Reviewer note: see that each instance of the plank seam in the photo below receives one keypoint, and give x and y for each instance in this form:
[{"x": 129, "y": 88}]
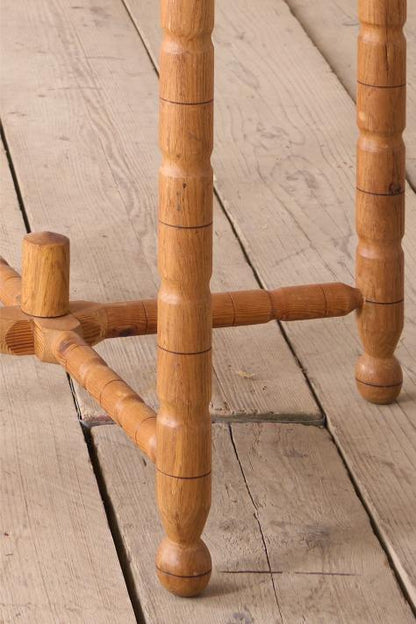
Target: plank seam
[
  {"x": 279, "y": 323},
  {"x": 373, "y": 522},
  {"x": 115, "y": 532},
  {"x": 289, "y": 572},
  {"x": 14, "y": 178},
  {"x": 123, "y": 558},
  {"x": 257, "y": 520}
]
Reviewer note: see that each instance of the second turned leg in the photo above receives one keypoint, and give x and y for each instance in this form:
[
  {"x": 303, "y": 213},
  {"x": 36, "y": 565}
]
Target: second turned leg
[{"x": 380, "y": 195}]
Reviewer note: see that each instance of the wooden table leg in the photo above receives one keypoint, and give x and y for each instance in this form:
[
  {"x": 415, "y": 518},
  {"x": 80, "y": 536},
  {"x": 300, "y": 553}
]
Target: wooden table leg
[
  {"x": 381, "y": 112},
  {"x": 184, "y": 302}
]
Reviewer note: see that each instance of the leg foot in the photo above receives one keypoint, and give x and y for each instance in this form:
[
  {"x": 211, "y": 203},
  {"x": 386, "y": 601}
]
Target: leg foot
[
  {"x": 183, "y": 569},
  {"x": 379, "y": 380}
]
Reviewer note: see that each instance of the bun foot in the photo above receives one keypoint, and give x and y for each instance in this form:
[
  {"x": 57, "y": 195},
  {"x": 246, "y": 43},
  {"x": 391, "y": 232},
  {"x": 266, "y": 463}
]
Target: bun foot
[{"x": 379, "y": 380}]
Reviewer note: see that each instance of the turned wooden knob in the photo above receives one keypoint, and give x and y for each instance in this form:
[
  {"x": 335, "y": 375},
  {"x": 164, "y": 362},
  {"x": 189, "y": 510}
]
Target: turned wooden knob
[
  {"x": 45, "y": 274},
  {"x": 379, "y": 380},
  {"x": 183, "y": 569}
]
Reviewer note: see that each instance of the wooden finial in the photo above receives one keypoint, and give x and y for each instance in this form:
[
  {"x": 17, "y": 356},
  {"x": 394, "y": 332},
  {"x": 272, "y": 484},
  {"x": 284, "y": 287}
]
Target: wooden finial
[
  {"x": 381, "y": 111},
  {"x": 45, "y": 274}
]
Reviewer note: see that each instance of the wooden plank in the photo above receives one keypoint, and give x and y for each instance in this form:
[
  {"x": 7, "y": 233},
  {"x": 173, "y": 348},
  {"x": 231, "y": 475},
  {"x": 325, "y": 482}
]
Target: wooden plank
[
  {"x": 284, "y": 161},
  {"x": 57, "y": 556},
  {"x": 286, "y": 489},
  {"x": 333, "y": 27},
  {"x": 12, "y": 228},
  {"x": 315, "y": 528},
  {"x": 237, "y": 546},
  {"x": 82, "y": 95}
]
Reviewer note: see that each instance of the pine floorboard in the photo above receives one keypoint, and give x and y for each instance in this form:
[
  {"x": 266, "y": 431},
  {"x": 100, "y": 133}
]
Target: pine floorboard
[
  {"x": 291, "y": 539},
  {"x": 58, "y": 562}
]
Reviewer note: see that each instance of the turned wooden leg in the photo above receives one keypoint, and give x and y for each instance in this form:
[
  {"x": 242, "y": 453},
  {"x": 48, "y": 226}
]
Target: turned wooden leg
[
  {"x": 184, "y": 302},
  {"x": 380, "y": 194}
]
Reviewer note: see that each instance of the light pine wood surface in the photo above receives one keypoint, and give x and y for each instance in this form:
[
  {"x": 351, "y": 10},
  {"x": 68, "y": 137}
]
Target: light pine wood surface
[
  {"x": 333, "y": 27},
  {"x": 290, "y": 140},
  {"x": 290, "y": 540},
  {"x": 57, "y": 557},
  {"x": 79, "y": 93}
]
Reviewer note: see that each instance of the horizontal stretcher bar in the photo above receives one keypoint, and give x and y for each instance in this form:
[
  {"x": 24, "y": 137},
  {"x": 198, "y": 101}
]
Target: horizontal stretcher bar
[
  {"x": 121, "y": 402},
  {"x": 249, "y": 307},
  {"x": 101, "y": 321}
]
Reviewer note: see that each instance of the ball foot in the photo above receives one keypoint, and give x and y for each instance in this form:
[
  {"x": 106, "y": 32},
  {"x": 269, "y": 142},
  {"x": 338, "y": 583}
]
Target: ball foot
[
  {"x": 183, "y": 569},
  {"x": 378, "y": 380}
]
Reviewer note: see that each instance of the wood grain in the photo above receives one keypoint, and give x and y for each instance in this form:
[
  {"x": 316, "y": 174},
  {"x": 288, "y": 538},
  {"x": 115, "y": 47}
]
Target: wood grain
[
  {"x": 21, "y": 334},
  {"x": 229, "y": 309},
  {"x": 333, "y": 27},
  {"x": 116, "y": 397},
  {"x": 57, "y": 556},
  {"x": 380, "y": 206},
  {"x": 285, "y": 145},
  {"x": 82, "y": 94},
  {"x": 45, "y": 274},
  {"x": 286, "y": 491},
  {"x": 184, "y": 315}
]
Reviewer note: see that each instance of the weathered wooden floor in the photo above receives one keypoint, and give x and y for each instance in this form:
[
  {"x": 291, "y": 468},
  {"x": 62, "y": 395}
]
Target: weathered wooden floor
[{"x": 309, "y": 524}]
